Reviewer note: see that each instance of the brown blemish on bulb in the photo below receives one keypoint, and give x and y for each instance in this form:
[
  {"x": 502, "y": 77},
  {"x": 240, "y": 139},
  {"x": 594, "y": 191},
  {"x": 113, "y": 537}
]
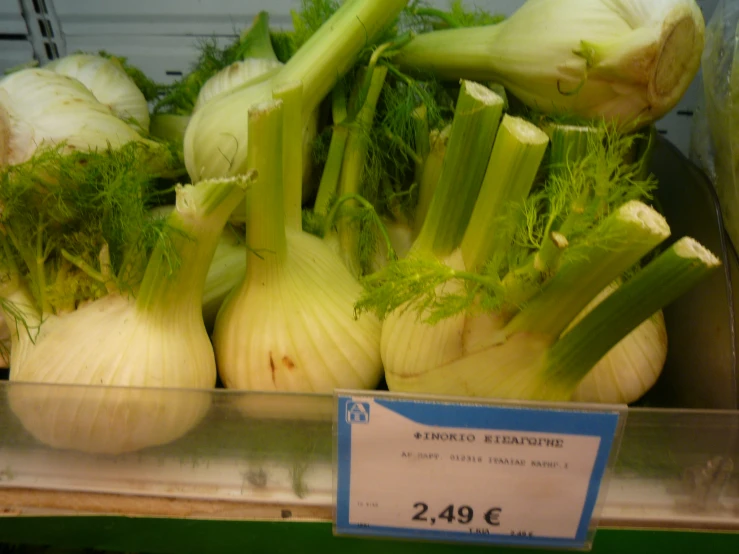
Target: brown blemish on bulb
[
  {"x": 272, "y": 366},
  {"x": 287, "y": 362}
]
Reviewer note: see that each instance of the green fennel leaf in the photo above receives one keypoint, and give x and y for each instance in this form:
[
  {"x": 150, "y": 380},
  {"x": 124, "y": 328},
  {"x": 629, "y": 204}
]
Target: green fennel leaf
[{"x": 68, "y": 219}]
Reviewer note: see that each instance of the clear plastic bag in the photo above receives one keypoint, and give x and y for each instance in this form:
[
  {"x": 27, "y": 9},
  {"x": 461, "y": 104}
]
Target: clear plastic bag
[{"x": 715, "y": 134}]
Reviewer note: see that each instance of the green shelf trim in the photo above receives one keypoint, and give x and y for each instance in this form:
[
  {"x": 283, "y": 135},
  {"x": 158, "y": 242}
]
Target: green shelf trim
[{"x": 178, "y": 536}]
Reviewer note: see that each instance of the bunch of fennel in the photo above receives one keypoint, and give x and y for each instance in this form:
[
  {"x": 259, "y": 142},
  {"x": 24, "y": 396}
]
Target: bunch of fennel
[
  {"x": 317, "y": 65},
  {"x": 46, "y": 107},
  {"x": 109, "y": 83},
  {"x": 501, "y": 269},
  {"x": 398, "y": 212},
  {"x": 216, "y": 138},
  {"x": 289, "y": 325},
  {"x": 82, "y": 102},
  {"x": 250, "y": 58},
  {"x": 97, "y": 292}
]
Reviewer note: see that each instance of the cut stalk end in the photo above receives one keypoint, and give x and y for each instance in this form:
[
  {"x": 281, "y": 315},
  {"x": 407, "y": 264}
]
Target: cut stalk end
[{"x": 678, "y": 60}]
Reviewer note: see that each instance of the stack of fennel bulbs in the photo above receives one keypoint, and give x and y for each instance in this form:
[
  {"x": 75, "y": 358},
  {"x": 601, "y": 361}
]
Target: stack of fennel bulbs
[
  {"x": 95, "y": 290},
  {"x": 352, "y": 161},
  {"x": 553, "y": 55},
  {"x": 81, "y": 101},
  {"x": 527, "y": 268},
  {"x": 605, "y": 85},
  {"x": 84, "y": 101},
  {"x": 99, "y": 293}
]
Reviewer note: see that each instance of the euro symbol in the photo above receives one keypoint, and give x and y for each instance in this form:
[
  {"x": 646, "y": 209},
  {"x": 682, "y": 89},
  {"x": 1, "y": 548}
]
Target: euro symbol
[{"x": 492, "y": 516}]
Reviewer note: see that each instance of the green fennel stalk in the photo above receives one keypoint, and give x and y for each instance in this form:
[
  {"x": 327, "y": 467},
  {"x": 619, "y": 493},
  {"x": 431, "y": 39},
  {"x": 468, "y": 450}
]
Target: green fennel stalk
[
  {"x": 282, "y": 328},
  {"x": 474, "y": 126},
  {"x": 518, "y": 150}
]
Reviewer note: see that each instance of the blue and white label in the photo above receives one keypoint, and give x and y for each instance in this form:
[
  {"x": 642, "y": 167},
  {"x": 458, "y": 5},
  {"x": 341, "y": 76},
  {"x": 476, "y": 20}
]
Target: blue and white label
[{"x": 482, "y": 473}]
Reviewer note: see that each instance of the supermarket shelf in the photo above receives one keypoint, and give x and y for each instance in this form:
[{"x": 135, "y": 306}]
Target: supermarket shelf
[
  {"x": 260, "y": 456},
  {"x": 249, "y": 459},
  {"x": 34, "y": 502}
]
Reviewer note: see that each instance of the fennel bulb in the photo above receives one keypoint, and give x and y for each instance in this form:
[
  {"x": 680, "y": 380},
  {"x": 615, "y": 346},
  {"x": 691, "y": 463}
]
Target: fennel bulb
[
  {"x": 109, "y": 83},
  {"x": 216, "y": 139},
  {"x": 114, "y": 300},
  {"x": 290, "y": 325},
  {"x": 40, "y": 108},
  {"x": 113, "y": 343},
  {"x": 447, "y": 340},
  {"x": 630, "y": 368},
  {"x": 258, "y": 63},
  {"x": 250, "y": 58},
  {"x": 629, "y": 61}
]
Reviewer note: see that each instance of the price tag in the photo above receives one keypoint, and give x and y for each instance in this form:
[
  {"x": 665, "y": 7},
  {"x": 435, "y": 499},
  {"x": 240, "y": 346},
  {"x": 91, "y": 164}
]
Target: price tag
[{"x": 499, "y": 473}]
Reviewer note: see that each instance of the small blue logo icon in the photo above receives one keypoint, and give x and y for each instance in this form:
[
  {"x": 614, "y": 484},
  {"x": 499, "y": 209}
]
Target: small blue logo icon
[{"x": 357, "y": 412}]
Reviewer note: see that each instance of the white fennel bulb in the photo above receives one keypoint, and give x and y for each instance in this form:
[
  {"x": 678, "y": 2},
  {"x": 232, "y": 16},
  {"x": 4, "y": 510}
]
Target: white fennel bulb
[
  {"x": 260, "y": 65},
  {"x": 626, "y": 60},
  {"x": 630, "y": 368},
  {"x": 447, "y": 340},
  {"x": 109, "y": 83},
  {"x": 40, "y": 108},
  {"x": 255, "y": 62},
  {"x": 122, "y": 352},
  {"x": 290, "y": 325},
  {"x": 125, "y": 323},
  {"x": 216, "y": 139},
  {"x": 530, "y": 362}
]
